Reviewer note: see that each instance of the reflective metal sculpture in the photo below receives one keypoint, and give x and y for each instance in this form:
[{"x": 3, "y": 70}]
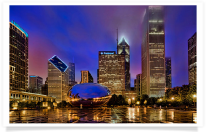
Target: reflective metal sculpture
[{"x": 88, "y": 95}]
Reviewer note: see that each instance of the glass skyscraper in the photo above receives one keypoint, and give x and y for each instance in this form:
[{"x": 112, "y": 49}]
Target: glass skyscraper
[
  {"x": 18, "y": 47},
  {"x": 153, "y": 52},
  {"x": 58, "y": 79},
  {"x": 123, "y": 48},
  {"x": 71, "y": 73},
  {"x": 168, "y": 72}
]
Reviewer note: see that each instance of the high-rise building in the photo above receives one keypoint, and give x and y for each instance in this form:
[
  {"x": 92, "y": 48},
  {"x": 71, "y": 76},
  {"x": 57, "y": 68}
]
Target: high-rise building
[
  {"x": 45, "y": 87},
  {"x": 192, "y": 61},
  {"x": 35, "y": 84},
  {"x": 86, "y": 77},
  {"x": 58, "y": 79},
  {"x": 97, "y": 75},
  {"x": 153, "y": 52},
  {"x": 112, "y": 71},
  {"x": 71, "y": 73},
  {"x": 168, "y": 72},
  {"x": 18, "y": 47},
  {"x": 138, "y": 85},
  {"x": 123, "y": 48}
]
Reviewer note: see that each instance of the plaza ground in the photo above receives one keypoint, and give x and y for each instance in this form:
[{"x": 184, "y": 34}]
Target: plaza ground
[{"x": 103, "y": 115}]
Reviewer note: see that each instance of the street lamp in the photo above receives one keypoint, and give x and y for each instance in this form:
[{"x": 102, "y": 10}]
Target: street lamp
[
  {"x": 194, "y": 97},
  {"x": 129, "y": 101},
  {"x": 133, "y": 99},
  {"x": 173, "y": 98}
]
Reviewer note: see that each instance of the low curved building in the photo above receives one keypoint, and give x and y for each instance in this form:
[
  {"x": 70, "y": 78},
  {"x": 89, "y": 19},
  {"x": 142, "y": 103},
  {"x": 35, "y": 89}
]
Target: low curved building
[{"x": 88, "y": 95}]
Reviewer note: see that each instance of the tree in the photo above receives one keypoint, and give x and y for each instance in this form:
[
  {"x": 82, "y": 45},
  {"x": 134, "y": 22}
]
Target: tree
[
  {"x": 143, "y": 98},
  {"x": 113, "y": 100}
]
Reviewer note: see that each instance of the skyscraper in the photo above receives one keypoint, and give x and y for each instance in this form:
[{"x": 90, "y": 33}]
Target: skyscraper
[
  {"x": 168, "y": 72},
  {"x": 71, "y": 73},
  {"x": 45, "y": 87},
  {"x": 153, "y": 52},
  {"x": 18, "y": 46},
  {"x": 35, "y": 84},
  {"x": 138, "y": 85},
  {"x": 123, "y": 48},
  {"x": 86, "y": 77},
  {"x": 57, "y": 79},
  {"x": 192, "y": 61},
  {"x": 112, "y": 71}
]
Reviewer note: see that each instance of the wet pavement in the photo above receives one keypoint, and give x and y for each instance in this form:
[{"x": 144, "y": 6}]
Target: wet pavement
[{"x": 103, "y": 115}]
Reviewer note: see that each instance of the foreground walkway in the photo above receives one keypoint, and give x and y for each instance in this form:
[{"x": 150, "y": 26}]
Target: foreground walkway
[{"x": 103, "y": 115}]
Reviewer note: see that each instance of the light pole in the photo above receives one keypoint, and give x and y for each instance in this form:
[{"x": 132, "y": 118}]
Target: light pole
[{"x": 194, "y": 98}]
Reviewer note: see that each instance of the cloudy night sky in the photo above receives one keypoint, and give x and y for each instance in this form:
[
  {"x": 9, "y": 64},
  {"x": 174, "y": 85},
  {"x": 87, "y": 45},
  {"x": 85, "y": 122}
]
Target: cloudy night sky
[{"x": 79, "y": 32}]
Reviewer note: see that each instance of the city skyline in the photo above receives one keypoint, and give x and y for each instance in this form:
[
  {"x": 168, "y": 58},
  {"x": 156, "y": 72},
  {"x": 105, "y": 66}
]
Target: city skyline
[{"x": 46, "y": 40}]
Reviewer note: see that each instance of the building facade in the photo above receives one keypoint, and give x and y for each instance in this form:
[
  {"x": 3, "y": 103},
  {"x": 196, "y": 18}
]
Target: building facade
[
  {"x": 45, "y": 87},
  {"x": 168, "y": 72},
  {"x": 112, "y": 71},
  {"x": 153, "y": 52},
  {"x": 18, "y": 57},
  {"x": 58, "y": 79},
  {"x": 35, "y": 84},
  {"x": 123, "y": 48},
  {"x": 71, "y": 73},
  {"x": 138, "y": 85},
  {"x": 192, "y": 59},
  {"x": 86, "y": 77}
]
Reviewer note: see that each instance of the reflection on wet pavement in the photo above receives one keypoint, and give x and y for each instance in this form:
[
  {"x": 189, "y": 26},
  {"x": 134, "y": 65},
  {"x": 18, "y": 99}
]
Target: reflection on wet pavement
[{"x": 103, "y": 115}]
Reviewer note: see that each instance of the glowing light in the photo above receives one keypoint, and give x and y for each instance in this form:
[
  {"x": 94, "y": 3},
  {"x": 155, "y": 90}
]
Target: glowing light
[
  {"x": 173, "y": 98},
  {"x": 157, "y": 33},
  {"x": 19, "y": 28},
  {"x": 194, "y": 96},
  {"x": 123, "y": 40}
]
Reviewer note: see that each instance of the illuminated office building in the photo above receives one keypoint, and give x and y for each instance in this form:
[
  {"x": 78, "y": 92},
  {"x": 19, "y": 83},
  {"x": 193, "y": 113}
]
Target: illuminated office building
[
  {"x": 168, "y": 72},
  {"x": 58, "y": 79},
  {"x": 112, "y": 71},
  {"x": 153, "y": 52},
  {"x": 71, "y": 73},
  {"x": 35, "y": 84},
  {"x": 86, "y": 77},
  {"x": 18, "y": 57},
  {"x": 138, "y": 85},
  {"x": 123, "y": 48},
  {"x": 192, "y": 61}
]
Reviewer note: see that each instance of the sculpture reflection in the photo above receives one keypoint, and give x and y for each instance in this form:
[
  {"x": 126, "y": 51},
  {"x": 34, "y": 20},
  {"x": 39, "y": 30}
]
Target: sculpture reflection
[{"x": 88, "y": 95}]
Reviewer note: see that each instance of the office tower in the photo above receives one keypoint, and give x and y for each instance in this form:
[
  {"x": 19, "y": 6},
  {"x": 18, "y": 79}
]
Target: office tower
[
  {"x": 138, "y": 85},
  {"x": 71, "y": 73},
  {"x": 97, "y": 75},
  {"x": 86, "y": 77},
  {"x": 18, "y": 47},
  {"x": 45, "y": 87},
  {"x": 168, "y": 72},
  {"x": 153, "y": 52},
  {"x": 112, "y": 71},
  {"x": 192, "y": 61},
  {"x": 35, "y": 84},
  {"x": 123, "y": 48},
  {"x": 57, "y": 79}
]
